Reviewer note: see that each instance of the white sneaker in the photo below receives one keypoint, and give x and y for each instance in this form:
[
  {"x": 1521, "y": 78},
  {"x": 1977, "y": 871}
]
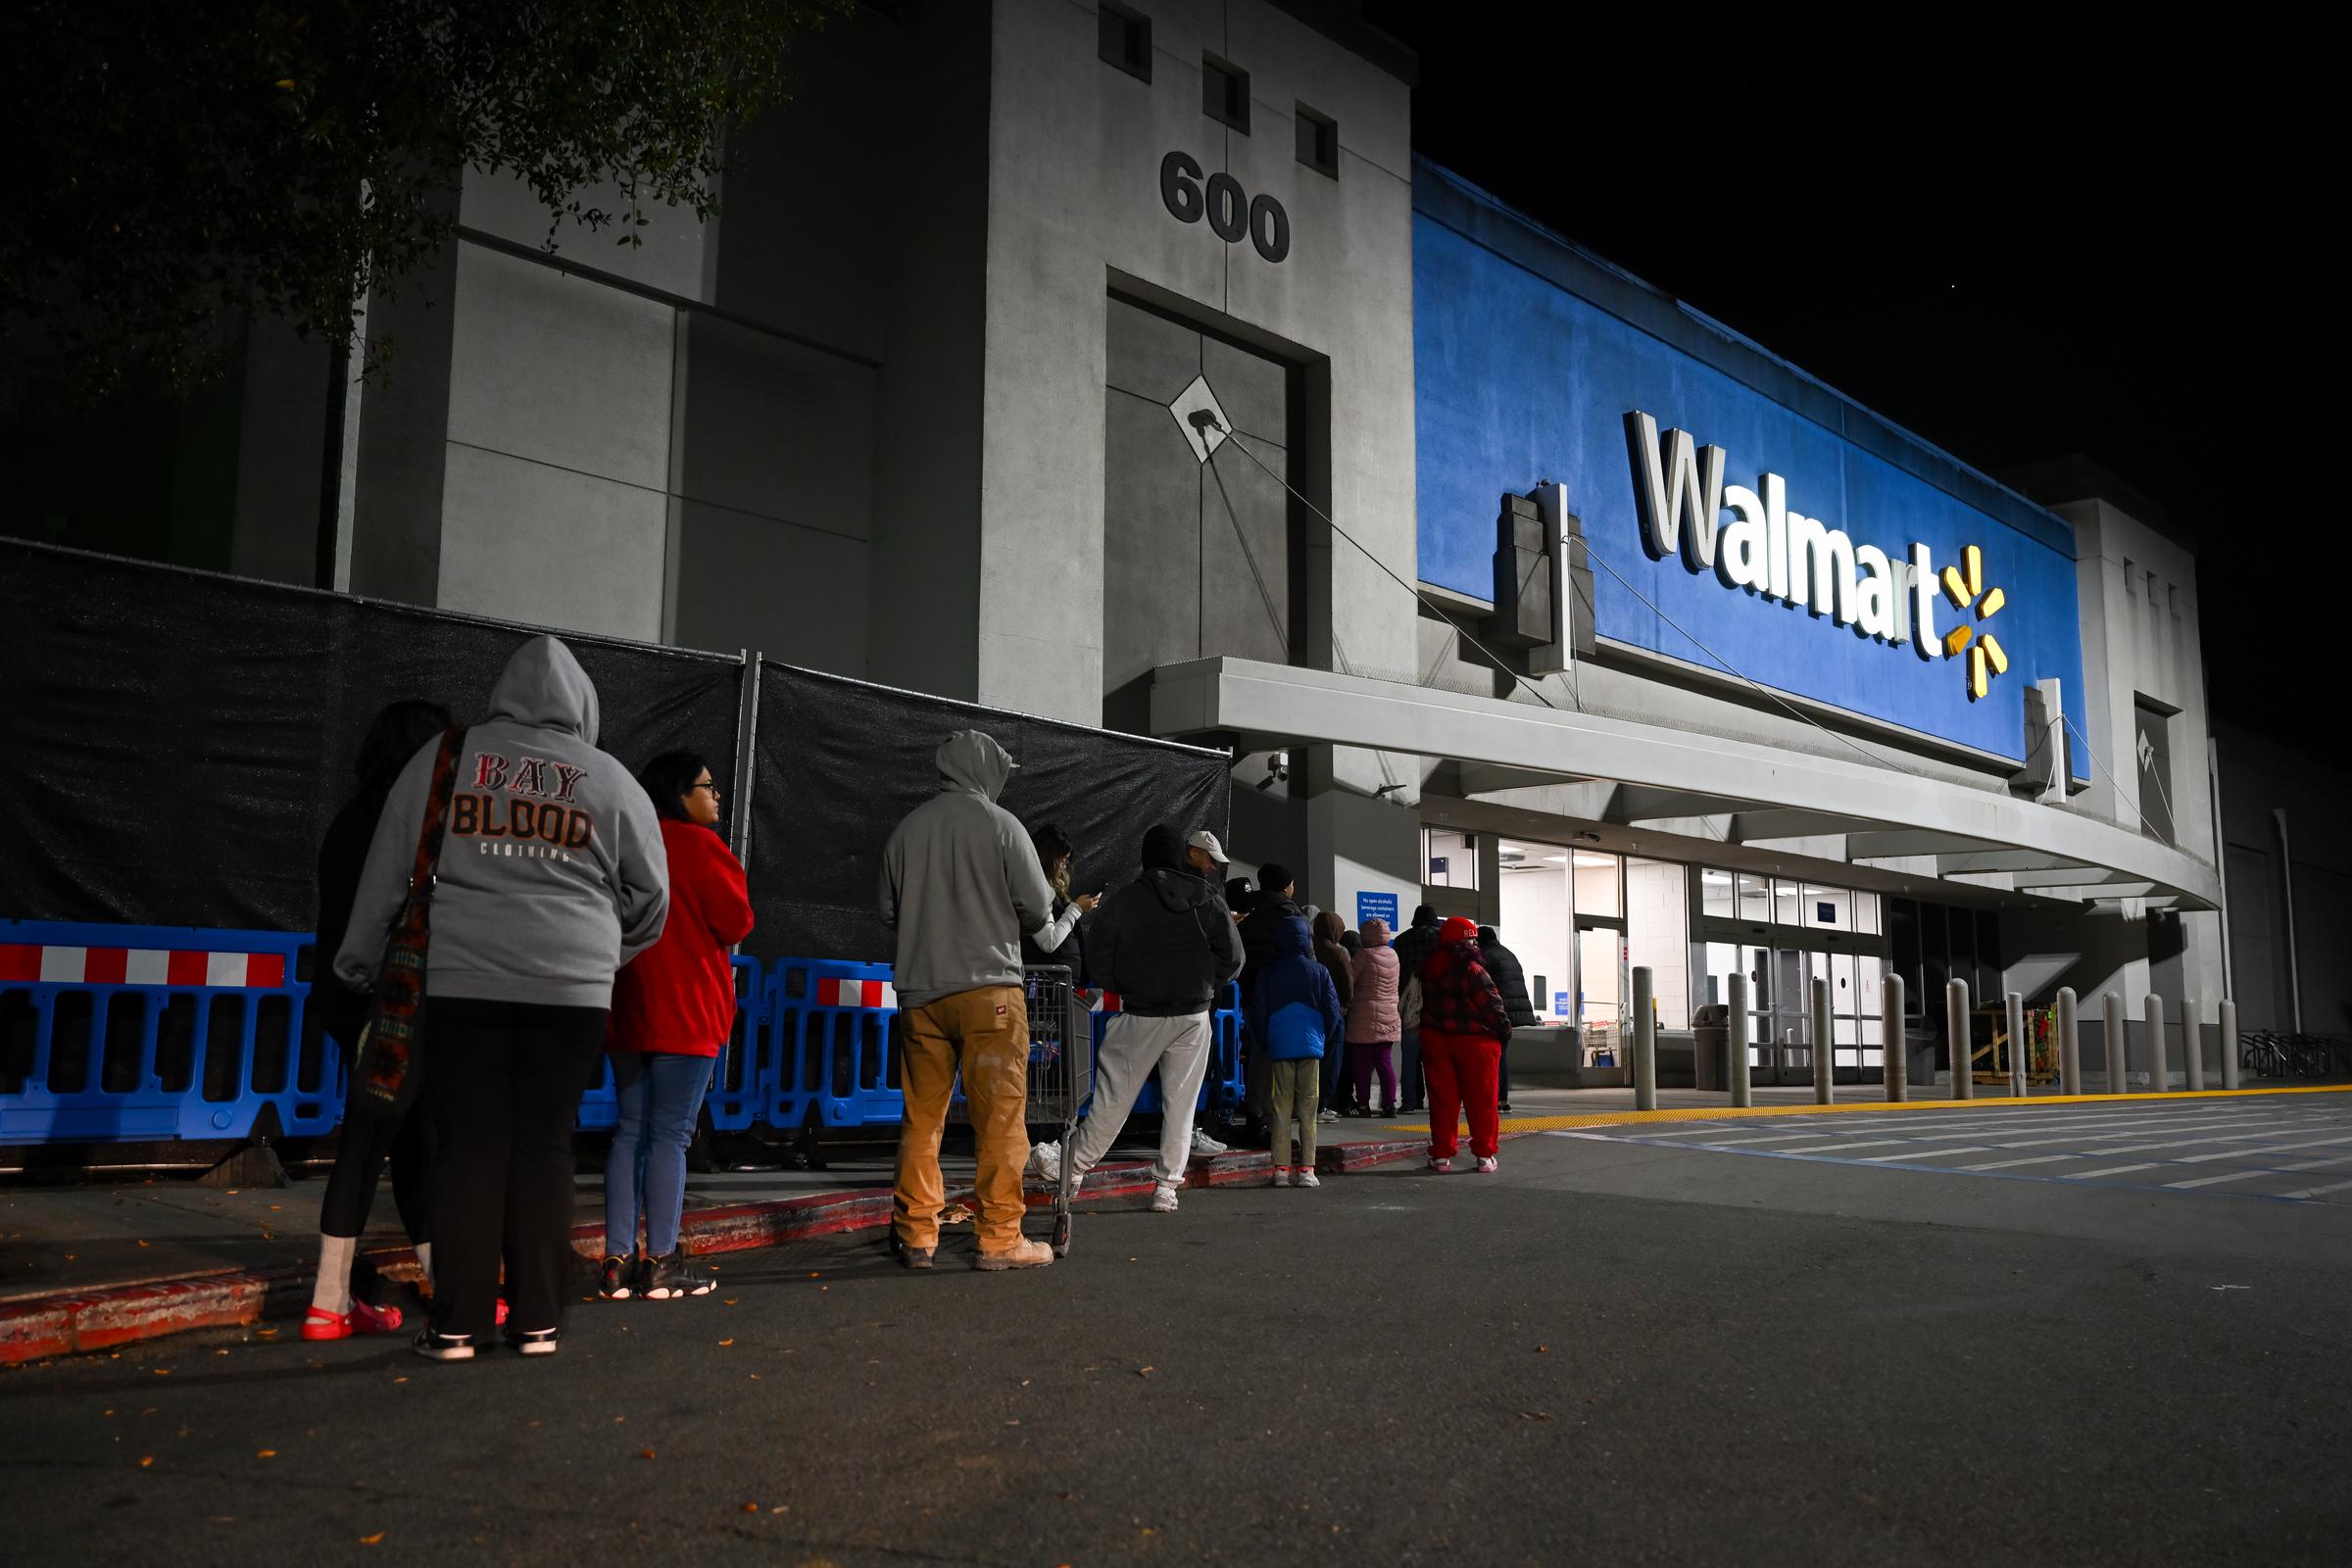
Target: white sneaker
[
  {"x": 1281, "y": 1176},
  {"x": 1163, "y": 1200},
  {"x": 1303, "y": 1176},
  {"x": 1487, "y": 1166},
  {"x": 1045, "y": 1164},
  {"x": 1202, "y": 1144},
  {"x": 1327, "y": 1116}
]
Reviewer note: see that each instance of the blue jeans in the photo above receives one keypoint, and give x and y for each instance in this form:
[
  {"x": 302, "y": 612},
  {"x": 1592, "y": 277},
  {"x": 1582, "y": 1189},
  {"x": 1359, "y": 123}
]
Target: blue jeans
[{"x": 660, "y": 1095}]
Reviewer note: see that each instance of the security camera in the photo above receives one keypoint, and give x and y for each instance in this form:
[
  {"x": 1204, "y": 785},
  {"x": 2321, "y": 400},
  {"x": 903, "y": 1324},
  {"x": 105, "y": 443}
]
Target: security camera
[{"x": 1278, "y": 767}]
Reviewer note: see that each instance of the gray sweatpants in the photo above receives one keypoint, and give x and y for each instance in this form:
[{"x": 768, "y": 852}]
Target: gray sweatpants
[{"x": 1132, "y": 1046}]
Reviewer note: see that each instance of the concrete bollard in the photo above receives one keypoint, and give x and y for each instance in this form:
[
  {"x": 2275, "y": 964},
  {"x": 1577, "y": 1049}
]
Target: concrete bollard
[
  {"x": 1645, "y": 1042},
  {"x": 2192, "y": 1046},
  {"x": 1955, "y": 1027},
  {"x": 2229, "y": 1044},
  {"x": 1894, "y": 1053},
  {"x": 2160, "y": 1075},
  {"x": 2119, "y": 1052},
  {"x": 1741, "y": 1095},
  {"x": 2070, "y": 1044},
  {"x": 1825, "y": 1046},
  {"x": 2014, "y": 1004}
]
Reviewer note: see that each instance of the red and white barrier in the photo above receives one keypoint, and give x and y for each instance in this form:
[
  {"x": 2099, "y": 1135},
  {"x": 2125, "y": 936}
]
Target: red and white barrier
[
  {"x": 140, "y": 966},
  {"x": 857, "y": 994}
]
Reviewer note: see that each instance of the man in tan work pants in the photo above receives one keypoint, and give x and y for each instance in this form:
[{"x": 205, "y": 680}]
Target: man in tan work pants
[
  {"x": 961, "y": 886},
  {"x": 985, "y": 1032}
]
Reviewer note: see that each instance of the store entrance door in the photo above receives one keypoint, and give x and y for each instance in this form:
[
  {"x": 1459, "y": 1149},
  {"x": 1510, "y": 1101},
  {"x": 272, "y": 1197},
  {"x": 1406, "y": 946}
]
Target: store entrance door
[{"x": 1781, "y": 1023}]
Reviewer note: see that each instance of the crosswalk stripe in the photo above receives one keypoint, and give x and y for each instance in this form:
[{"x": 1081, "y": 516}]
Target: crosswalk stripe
[
  {"x": 1924, "y": 1153},
  {"x": 2216, "y": 1181},
  {"x": 1818, "y": 1149},
  {"x": 2112, "y": 1170},
  {"x": 2314, "y": 1192}
]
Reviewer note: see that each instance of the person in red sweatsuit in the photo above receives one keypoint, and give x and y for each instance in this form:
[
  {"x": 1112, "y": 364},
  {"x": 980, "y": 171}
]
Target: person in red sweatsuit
[
  {"x": 1463, "y": 1026},
  {"x": 673, "y": 1007}
]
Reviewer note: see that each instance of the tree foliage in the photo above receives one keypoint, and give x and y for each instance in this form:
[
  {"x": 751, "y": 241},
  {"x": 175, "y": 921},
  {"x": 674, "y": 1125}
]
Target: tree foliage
[{"x": 193, "y": 162}]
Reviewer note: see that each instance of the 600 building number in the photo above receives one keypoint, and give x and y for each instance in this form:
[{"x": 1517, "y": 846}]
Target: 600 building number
[{"x": 1230, "y": 213}]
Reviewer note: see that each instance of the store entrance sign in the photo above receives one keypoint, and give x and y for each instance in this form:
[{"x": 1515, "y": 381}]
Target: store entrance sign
[
  {"x": 1680, "y": 496},
  {"x": 1380, "y": 907}
]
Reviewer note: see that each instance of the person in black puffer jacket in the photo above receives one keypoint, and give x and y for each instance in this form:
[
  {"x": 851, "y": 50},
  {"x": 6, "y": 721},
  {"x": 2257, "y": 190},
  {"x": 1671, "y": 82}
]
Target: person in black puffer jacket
[
  {"x": 1165, "y": 945},
  {"x": 1511, "y": 978},
  {"x": 1413, "y": 946}
]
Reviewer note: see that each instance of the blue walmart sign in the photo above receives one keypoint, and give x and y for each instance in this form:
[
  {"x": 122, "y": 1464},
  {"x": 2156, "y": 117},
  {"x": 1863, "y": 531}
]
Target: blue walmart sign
[{"x": 1809, "y": 561}]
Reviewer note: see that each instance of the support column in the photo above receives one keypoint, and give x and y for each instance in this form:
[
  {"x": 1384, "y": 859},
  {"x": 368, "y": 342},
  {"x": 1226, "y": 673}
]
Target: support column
[
  {"x": 2229, "y": 1044},
  {"x": 2070, "y": 1044},
  {"x": 1955, "y": 1027},
  {"x": 2159, "y": 1073},
  {"x": 2015, "y": 1005},
  {"x": 1825, "y": 1051},
  {"x": 1741, "y": 1095},
  {"x": 1895, "y": 1052},
  {"x": 1645, "y": 1042},
  {"x": 2119, "y": 1052}
]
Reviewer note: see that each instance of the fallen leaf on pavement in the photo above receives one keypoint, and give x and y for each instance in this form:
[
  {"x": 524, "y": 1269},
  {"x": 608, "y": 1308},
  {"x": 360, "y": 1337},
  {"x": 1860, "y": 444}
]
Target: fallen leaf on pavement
[
  {"x": 645, "y": 1453},
  {"x": 1534, "y": 1416},
  {"x": 146, "y": 1460},
  {"x": 1540, "y": 1349},
  {"x": 369, "y": 1541},
  {"x": 265, "y": 1453},
  {"x": 726, "y": 1341},
  {"x": 1144, "y": 1371},
  {"x": 751, "y": 1507}
]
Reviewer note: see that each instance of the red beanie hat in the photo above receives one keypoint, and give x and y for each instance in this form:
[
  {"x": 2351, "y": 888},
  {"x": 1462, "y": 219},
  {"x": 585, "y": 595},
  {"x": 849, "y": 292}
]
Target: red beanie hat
[{"x": 1458, "y": 929}]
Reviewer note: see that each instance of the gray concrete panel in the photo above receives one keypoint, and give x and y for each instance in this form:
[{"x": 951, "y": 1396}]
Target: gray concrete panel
[
  {"x": 777, "y": 429},
  {"x": 561, "y": 370},
  {"x": 1251, "y": 389},
  {"x": 404, "y": 439},
  {"x": 669, "y": 254},
  {"x": 527, "y": 542},
  {"x": 1149, "y": 355},
  {"x": 1245, "y": 554},
  {"x": 1151, "y": 563},
  {"x": 794, "y": 594},
  {"x": 1288, "y": 62}
]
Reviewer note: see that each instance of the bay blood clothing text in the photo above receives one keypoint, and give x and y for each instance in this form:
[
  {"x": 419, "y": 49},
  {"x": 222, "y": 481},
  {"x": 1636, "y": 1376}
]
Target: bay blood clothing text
[{"x": 542, "y": 816}]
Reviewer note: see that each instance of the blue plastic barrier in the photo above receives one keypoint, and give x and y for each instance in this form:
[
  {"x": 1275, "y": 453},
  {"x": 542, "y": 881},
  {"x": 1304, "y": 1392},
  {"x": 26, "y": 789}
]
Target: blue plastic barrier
[
  {"x": 830, "y": 1047},
  {"x": 132, "y": 1034},
  {"x": 734, "y": 1099}
]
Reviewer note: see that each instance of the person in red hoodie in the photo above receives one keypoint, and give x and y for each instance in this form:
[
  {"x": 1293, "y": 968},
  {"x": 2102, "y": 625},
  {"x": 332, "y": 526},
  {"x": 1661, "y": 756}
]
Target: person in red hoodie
[
  {"x": 673, "y": 1007},
  {"x": 1463, "y": 1026}
]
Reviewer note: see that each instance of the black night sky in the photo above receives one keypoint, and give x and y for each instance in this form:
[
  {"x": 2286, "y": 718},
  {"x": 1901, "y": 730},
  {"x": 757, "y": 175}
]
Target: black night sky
[{"x": 2017, "y": 244}]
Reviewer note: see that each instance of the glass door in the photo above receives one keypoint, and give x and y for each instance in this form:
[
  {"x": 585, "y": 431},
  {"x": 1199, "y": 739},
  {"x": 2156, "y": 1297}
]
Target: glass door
[{"x": 1604, "y": 989}]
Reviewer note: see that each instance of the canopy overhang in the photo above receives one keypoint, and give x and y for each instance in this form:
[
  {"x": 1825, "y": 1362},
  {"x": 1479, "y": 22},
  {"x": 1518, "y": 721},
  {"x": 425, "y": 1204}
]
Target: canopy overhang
[{"x": 1669, "y": 780}]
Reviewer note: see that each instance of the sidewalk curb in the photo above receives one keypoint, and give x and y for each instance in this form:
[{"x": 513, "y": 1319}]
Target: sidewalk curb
[{"x": 79, "y": 1322}]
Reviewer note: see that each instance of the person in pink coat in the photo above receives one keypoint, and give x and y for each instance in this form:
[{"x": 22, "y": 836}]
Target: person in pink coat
[{"x": 1373, "y": 1024}]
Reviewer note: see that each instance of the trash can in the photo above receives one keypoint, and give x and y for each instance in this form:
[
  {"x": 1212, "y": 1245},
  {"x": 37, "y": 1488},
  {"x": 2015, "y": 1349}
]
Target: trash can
[{"x": 1711, "y": 1063}]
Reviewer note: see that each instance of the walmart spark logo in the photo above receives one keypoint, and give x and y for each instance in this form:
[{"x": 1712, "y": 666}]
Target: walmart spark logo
[{"x": 1966, "y": 587}]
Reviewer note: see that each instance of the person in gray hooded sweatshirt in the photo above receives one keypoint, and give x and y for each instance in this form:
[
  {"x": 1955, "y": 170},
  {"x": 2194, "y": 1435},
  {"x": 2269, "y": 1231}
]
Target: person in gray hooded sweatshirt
[
  {"x": 961, "y": 884},
  {"x": 551, "y": 876}
]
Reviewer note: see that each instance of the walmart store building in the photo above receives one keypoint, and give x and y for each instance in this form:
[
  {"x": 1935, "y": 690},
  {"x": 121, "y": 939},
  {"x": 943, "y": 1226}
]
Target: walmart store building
[{"x": 1772, "y": 687}]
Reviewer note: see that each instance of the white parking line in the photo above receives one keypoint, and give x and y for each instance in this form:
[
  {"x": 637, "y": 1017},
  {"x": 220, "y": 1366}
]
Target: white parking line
[
  {"x": 2112, "y": 1170},
  {"x": 1818, "y": 1149},
  {"x": 1768, "y": 1138},
  {"x": 2037, "y": 1159},
  {"x": 2314, "y": 1192},
  {"x": 1924, "y": 1153},
  {"x": 2215, "y": 1181},
  {"x": 2267, "y": 1149}
]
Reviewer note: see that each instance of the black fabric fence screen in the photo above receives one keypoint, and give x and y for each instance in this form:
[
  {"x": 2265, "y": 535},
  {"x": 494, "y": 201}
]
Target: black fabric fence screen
[
  {"x": 838, "y": 762},
  {"x": 172, "y": 744}
]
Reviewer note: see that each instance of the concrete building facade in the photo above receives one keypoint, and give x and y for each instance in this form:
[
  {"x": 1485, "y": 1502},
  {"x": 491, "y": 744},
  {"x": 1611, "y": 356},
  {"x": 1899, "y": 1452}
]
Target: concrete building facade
[{"x": 1120, "y": 364}]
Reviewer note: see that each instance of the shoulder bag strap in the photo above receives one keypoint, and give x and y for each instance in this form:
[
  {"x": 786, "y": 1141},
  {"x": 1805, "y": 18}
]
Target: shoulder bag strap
[{"x": 428, "y": 864}]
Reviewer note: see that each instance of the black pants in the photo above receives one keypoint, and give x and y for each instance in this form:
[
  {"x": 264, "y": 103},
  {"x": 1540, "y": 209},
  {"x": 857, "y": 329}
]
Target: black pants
[{"x": 504, "y": 1089}]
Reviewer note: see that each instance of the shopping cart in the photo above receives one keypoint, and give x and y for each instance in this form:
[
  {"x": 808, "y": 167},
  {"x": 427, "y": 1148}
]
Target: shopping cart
[{"x": 1062, "y": 1073}]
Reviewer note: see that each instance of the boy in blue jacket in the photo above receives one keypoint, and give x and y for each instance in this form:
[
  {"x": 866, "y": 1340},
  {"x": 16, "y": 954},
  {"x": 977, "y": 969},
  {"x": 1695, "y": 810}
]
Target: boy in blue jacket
[{"x": 1294, "y": 1008}]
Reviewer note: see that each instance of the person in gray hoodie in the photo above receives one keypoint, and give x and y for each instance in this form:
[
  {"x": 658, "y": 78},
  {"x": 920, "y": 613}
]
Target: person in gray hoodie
[
  {"x": 961, "y": 884},
  {"x": 551, "y": 876}
]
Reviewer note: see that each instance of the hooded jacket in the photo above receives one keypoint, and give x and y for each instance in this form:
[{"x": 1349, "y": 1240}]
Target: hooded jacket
[
  {"x": 961, "y": 882},
  {"x": 1458, "y": 996},
  {"x": 1261, "y": 935},
  {"x": 1372, "y": 1010},
  {"x": 1511, "y": 978},
  {"x": 1293, "y": 1007},
  {"x": 1333, "y": 956},
  {"x": 552, "y": 872},
  {"x": 1165, "y": 942}
]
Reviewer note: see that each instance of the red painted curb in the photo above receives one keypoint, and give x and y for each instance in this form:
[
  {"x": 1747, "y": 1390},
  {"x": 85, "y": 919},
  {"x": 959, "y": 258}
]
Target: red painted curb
[{"x": 37, "y": 1328}]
